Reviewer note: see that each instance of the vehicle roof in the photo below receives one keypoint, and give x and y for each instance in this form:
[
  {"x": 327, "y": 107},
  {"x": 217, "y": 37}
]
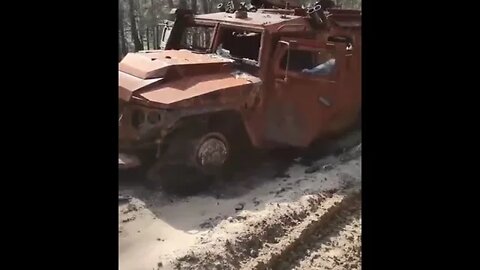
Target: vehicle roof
[{"x": 257, "y": 19}]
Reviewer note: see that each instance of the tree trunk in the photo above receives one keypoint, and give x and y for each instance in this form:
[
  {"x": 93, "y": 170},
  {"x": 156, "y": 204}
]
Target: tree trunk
[
  {"x": 153, "y": 17},
  {"x": 194, "y": 6},
  {"x": 133, "y": 27},
  {"x": 205, "y": 6},
  {"x": 196, "y": 34},
  {"x": 205, "y": 35},
  {"x": 183, "y": 4},
  {"x": 123, "y": 43},
  {"x": 170, "y": 3}
]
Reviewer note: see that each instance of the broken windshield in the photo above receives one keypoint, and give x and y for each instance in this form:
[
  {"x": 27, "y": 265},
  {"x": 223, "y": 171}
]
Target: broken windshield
[
  {"x": 197, "y": 38},
  {"x": 239, "y": 45}
]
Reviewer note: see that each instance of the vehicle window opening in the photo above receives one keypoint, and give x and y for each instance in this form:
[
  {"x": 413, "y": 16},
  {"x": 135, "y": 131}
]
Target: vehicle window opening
[
  {"x": 239, "y": 44},
  {"x": 317, "y": 63}
]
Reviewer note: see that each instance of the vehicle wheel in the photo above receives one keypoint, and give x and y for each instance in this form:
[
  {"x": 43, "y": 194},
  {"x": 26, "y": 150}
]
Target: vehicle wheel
[
  {"x": 211, "y": 153},
  {"x": 194, "y": 157},
  {"x": 241, "y": 154}
]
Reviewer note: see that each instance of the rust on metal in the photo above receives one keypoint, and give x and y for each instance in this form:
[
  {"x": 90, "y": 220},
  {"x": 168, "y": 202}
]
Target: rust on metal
[
  {"x": 252, "y": 19},
  {"x": 196, "y": 86},
  {"x": 156, "y": 64},
  {"x": 127, "y": 84},
  {"x": 291, "y": 78}
]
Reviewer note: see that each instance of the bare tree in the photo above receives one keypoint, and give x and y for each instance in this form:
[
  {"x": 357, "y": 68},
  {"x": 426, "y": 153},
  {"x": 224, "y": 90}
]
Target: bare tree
[
  {"x": 133, "y": 27},
  {"x": 205, "y": 6},
  {"x": 205, "y": 35},
  {"x": 195, "y": 34},
  {"x": 194, "y": 6},
  {"x": 123, "y": 50},
  {"x": 182, "y": 4}
]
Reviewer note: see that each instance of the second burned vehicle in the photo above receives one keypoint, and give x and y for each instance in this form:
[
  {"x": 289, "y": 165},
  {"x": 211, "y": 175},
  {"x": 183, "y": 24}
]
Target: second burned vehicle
[{"x": 268, "y": 78}]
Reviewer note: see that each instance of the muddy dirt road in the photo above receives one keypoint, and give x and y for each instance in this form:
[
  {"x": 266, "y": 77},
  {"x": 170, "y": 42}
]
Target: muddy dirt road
[{"x": 299, "y": 215}]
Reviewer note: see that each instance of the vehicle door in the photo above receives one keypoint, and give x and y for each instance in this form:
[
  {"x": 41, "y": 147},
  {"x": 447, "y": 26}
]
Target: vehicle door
[{"x": 303, "y": 99}]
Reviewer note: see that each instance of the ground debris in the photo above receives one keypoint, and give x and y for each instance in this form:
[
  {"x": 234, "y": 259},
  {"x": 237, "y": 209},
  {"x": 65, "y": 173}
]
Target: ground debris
[
  {"x": 245, "y": 228},
  {"x": 239, "y": 206}
]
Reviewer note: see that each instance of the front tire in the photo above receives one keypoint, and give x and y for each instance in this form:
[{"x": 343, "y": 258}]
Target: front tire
[{"x": 194, "y": 157}]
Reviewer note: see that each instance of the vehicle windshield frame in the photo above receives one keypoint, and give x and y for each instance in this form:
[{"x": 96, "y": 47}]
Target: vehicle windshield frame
[{"x": 228, "y": 26}]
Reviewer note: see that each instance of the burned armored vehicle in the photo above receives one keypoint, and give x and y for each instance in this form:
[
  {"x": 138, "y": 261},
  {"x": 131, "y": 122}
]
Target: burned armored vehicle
[{"x": 276, "y": 77}]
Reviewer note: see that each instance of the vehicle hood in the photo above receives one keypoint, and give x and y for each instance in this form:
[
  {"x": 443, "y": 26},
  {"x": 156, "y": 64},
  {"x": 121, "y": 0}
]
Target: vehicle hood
[
  {"x": 170, "y": 76},
  {"x": 157, "y": 64}
]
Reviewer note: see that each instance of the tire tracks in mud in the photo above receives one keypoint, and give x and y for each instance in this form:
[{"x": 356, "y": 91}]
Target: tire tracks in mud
[
  {"x": 278, "y": 235},
  {"x": 339, "y": 250},
  {"x": 272, "y": 243},
  {"x": 314, "y": 231}
]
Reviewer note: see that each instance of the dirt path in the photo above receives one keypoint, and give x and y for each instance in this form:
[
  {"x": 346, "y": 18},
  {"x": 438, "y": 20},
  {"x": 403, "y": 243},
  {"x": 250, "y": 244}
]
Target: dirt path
[
  {"x": 340, "y": 250},
  {"x": 263, "y": 218},
  {"x": 334, "y": 243}
]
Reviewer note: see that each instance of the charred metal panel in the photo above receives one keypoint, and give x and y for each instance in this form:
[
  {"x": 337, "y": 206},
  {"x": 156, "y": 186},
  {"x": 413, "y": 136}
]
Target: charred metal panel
[{"x": 277, "y": 107}]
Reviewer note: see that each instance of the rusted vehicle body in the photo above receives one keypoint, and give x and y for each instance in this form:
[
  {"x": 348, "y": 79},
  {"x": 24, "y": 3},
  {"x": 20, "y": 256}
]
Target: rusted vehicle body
[{"x": 282, "y": 77}]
